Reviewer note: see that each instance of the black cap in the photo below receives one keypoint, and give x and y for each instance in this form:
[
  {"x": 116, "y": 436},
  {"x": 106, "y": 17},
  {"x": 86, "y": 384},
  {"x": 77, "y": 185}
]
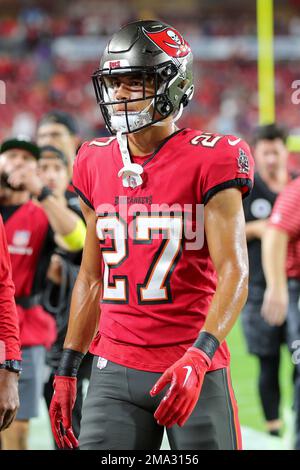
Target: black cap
[
  {"x": 21, "y": 142},
  {"x": 60, "y": 117},
  {"x": 270, "y": 132},
  {"x": 58, "y": 153}
]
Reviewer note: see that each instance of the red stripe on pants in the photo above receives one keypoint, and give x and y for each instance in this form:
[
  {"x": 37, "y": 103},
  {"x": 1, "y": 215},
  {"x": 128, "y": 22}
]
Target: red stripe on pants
[{"x": 239, "y": 445}]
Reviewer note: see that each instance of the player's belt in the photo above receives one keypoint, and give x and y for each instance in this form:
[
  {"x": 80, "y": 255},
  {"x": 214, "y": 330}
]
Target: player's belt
[{"x": 29, "y": 301}]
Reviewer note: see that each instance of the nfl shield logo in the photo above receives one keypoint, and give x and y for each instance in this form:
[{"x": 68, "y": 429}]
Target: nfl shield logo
[
  {"x": 243, "y": 162},
  {"x": 21, "y": 238},
  {"x": 102, "y": 362}
]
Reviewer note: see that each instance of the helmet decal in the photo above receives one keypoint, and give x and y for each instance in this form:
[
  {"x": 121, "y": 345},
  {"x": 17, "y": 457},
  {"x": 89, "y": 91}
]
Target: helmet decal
[
  {"x": 116, "y": 64},
  {"x": 169, "y": 41}
]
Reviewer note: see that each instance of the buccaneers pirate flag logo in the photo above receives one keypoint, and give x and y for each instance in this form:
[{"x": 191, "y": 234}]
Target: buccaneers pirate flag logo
[{"x": 169, "y": 41}]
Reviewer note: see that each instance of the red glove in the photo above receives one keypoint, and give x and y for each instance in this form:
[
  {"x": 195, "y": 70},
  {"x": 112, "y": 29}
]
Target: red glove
[
  {"x": 186, "y": 377},
  {"x": 60, "y": 411}
]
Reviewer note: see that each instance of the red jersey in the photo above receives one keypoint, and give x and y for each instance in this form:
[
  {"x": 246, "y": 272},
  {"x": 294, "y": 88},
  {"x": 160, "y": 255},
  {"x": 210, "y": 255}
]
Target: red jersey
[
  {"x": 9, "y": 325},
  {"x": 286, "y": 217},
  {"x": 26, "y": 232},
  {"x": 157, "y": 284}
]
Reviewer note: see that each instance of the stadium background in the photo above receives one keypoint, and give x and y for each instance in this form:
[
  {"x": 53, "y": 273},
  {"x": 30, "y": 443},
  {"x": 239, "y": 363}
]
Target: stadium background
[{"x": 48, "y": 51}]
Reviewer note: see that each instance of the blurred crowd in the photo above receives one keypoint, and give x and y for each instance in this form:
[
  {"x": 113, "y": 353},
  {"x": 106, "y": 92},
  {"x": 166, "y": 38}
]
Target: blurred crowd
[
  {"x": 38, "y": 80},
  {"x": 225, "y": 99},
  {"x": 37, "y": 20}
]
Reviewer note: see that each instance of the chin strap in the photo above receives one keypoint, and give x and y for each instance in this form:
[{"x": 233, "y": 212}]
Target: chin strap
[{"x": 131, "y": 172}]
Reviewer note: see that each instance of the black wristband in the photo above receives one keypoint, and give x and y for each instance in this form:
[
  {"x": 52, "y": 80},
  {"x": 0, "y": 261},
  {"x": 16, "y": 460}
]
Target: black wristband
[
  {"x": 69, "y": 363},
  {"x": 12, "y": 365},
  {"x": 44, "y": 193},
  {"x": 207, "y": 343}
]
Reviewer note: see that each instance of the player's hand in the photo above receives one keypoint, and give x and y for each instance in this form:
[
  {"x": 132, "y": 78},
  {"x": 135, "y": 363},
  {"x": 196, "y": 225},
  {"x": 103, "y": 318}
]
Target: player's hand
[
  {"x": 275, "y": 305},
  {"x": 60, "y": 411},
  {"x": 54, "y": 272},
  {"x": 9, "y": 398},
  {"x": 26, "y": 179},
  {"x": 186, "y": 377}
]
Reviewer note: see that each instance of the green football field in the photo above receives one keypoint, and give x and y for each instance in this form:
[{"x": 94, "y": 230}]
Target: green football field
[{"x": 244, "y": 373}]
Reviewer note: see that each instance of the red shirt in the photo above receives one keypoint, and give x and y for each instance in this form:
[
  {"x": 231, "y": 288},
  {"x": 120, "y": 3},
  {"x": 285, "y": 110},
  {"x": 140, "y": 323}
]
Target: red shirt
[
  {"x": 286, "y": 216},
  {"x": 9, "y": 325},
  {"x": 26, "y": 232},
  {"x": 156, "y": 291}
]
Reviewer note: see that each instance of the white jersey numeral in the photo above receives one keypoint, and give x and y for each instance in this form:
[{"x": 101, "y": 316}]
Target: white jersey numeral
[
  {"x": 207, "y": 140},
  {"x": 102, "y": 143},
  {"x": 156, "y": 286},
  {"x": 113, "y": 257}
]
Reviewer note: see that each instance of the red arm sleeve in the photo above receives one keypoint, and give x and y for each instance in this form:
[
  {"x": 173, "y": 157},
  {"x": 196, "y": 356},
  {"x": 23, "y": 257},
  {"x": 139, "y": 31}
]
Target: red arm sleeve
[
  {"x": 229, "y": 164},
  {"x": 285, "y": 214},
  {"x": 9, "y": 323}
]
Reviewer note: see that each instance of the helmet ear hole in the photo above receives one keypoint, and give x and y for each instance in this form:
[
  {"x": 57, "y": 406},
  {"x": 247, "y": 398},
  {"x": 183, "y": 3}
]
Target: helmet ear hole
[{"x": 163, "y": 106}]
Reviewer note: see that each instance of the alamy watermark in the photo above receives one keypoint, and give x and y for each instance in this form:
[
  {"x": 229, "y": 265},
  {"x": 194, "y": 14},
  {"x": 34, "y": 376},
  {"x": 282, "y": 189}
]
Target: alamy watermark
[
  {"x": 296, "y": 353},
  {"x": 162, "y": 221},
  {"x": 2, "y": 92},
  {"x": 296, "y": 93},
  {"x": 2, "y": 352}
]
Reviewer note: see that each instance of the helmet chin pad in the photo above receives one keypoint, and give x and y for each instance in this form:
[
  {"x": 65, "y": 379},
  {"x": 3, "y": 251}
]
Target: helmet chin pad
[{"x": 133, "y": 121}]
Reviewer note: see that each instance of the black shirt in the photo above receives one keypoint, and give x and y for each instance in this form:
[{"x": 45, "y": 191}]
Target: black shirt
[{"x": 257, "y": 206}]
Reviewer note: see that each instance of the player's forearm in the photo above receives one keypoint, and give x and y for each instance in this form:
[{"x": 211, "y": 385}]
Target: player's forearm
[
  {"x": 228, "y": 300},
  {"x": 9, "y": 328},
  {"x": 9, "y": 321},
  {"x": 62, "y": 220},
  {"x": 274, "y": 253},
  {"x": 255, "y": 229},
  {"x": 84, "y": 314}
]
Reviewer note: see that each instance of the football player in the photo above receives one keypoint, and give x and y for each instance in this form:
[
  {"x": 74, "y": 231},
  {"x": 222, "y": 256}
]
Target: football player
[
  {"x": 59, "y": 129},
  {"x": 167, "y": 303}
]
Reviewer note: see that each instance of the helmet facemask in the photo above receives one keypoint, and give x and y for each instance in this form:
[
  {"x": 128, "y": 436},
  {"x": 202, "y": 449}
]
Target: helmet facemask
[{"x": 158, "y": 106}]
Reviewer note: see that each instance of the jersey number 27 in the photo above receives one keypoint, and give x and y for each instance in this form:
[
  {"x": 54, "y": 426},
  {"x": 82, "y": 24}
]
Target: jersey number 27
[{"x": 156, "y": 285}]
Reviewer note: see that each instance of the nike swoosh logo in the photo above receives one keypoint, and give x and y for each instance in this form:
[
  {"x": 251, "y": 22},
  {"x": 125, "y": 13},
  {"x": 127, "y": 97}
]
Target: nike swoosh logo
[
  {"x": 189, "y": 371},
  {"x": 233, "y": 142}
]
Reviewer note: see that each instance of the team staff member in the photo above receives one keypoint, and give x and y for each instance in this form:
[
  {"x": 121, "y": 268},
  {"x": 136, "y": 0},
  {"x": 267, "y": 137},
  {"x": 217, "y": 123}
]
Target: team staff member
[
  {"x": 53, "y": 175},
  {"x": 281, "y": 261},
  {"x": 59, "y": 129},
  {"x": 10, "y": 354},
  {"x": 30, "y": 228},
  {"x": 62, "y": 272},
  {"x": 264, "y": 340},
  {"x": 164, "y": 317}
]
